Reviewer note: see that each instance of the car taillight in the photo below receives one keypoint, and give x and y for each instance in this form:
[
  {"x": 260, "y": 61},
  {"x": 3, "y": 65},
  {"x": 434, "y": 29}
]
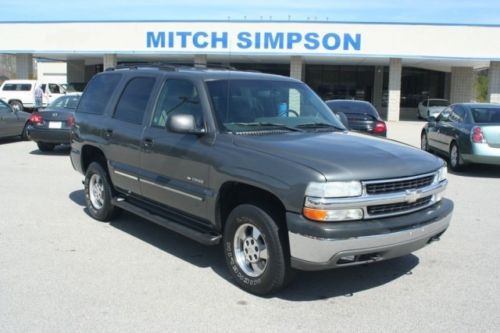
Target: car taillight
[
  {"x": 36, "y": 118},
  {"x": 379, "y": 127},
  {"x": 477, "y": 135},
  {"x": 70, "y": 121}
]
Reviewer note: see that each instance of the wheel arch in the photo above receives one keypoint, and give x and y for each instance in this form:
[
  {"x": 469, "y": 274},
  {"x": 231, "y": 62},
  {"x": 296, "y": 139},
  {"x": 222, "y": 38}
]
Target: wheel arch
[
  {"x": 91, "y": 154},
  {"x": 234, "y": 193}
]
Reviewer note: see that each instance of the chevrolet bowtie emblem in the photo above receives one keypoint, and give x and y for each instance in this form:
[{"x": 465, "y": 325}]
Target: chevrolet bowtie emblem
[{"x": 412, "y": 196}]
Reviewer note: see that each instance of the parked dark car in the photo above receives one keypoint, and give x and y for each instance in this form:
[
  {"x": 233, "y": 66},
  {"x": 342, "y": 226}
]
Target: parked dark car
[
  {"x": 12, "y": 123},
  {"x": 51, "y": 126},
  {"x": 465, "y": 133},
  {"x": 256, "y": 162},
  {"x": 362, "y": 116}
]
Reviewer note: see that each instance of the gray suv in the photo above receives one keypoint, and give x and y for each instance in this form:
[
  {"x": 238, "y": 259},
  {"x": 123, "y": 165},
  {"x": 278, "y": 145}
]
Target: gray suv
[{"x": 256, "y": 162}]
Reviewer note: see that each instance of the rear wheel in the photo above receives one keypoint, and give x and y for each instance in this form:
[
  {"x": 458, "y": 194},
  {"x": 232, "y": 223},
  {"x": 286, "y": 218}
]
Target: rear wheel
[
  {"x": 99, "y": 193},
  {"x": 456, "y": 161},
  {"x": 424, "y": 143},
  {"x": 43, "y": 146},
  {"x": 256, "y": 250},
  {"x": 24, "y": 134},
  {"x": 16, "y": 105}
]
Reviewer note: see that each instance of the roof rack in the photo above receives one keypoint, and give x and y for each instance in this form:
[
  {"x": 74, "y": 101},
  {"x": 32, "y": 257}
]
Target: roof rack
[{"x": 168, "y": 66}]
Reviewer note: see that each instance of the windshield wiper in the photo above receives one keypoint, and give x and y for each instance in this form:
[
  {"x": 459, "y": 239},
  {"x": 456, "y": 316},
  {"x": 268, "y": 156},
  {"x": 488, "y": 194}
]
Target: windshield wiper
[
  {"x": 268, "y": 124},
  {"x": 321, "y": 125}
]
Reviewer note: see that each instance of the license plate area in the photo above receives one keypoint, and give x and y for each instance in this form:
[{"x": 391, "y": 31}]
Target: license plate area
[{"x": 55, "y": 124}]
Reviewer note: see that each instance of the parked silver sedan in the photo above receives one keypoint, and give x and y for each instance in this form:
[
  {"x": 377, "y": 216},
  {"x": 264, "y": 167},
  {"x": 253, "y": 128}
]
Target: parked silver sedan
[{"x": 12, "y": 123}]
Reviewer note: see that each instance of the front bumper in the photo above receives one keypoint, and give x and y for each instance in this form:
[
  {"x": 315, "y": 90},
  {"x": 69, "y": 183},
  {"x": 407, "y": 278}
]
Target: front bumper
[
  {"x": 60, "y": 136},
  {"x": 317, "y": 246}
]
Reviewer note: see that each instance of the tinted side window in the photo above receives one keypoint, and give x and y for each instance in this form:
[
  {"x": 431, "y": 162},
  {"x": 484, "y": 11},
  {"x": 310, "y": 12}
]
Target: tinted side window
[
  {"x": 25, "y": 87},
  {"x": 9, "y": 87},
  {"x": 177, "y": 96},
  {"x": 98, "y": 92},
  {"x": 457, "y": 115},
  {"x": 134, "y": 99}
]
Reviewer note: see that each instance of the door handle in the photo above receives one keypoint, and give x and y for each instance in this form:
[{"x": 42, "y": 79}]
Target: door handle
[
  {"x": 147, "y": 143},
  {"x": 108, "y": 133}
]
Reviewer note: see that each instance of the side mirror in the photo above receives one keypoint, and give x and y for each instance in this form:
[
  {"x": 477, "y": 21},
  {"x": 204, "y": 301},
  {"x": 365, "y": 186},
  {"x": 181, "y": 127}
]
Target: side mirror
[
  {"x": 183, "y": 123},
  {"x": 343, "y": 119},
  {"x": 432, "y": 119}
]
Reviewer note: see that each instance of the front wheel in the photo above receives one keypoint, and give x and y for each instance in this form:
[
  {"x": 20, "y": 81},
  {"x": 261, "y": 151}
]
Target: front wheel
[
  {"x": 255, "y": 249},
  {"x": 99, "y": 193}
]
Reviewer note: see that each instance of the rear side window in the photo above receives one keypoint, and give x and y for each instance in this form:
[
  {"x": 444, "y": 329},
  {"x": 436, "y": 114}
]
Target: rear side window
[
  {"x": 17, "y": 87},
  {"x": 98, "y": 93},
  {"x": 134, "y": 100}
]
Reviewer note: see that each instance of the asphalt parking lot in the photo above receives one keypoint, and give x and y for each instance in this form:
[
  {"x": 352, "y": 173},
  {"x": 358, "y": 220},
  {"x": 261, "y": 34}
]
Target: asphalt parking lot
[{"x": 62, "y": 271}]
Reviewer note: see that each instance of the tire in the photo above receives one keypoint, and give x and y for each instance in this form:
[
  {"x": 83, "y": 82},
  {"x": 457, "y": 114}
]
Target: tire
[
  {"x": 456, "y": 162},
  {"x": 248, "y": 233},
  {"x": 99, "y": 193},
  {"x": 16, "y": 105},
  {"x": 45, "y": 147},
  {"x": 24, "y": 133},
  {"x": 424, "y": 142}
]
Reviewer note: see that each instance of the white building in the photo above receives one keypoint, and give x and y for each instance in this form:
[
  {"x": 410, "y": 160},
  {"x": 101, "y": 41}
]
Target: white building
[{"x": 392, "y": 65}]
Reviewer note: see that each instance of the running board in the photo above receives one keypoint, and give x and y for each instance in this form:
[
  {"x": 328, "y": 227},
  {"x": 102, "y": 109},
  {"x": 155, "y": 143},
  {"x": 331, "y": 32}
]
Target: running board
[{"x": 203, "y": 237}]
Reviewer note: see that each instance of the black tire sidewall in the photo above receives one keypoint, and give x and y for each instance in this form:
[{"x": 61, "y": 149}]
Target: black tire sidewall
[
  {"x": 20, "y": 105},
  {"x": 105, "y": 213},
  {"x": 455, "y": 167},
  {"x": 426, "y": 148},
  {"x": 274, "y": 276}
]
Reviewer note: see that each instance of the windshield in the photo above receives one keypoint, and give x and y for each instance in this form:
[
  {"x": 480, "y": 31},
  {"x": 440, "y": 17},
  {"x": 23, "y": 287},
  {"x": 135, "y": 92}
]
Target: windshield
[
  {"x": 250, "y": 105},
  {"x": 438, "y": 102},
  {"x": 65, "y": 102},
  {"x": 486, "y": 115}
]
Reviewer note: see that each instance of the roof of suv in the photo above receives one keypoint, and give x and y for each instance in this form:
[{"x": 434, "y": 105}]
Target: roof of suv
[{"x": 207, "y": 73}]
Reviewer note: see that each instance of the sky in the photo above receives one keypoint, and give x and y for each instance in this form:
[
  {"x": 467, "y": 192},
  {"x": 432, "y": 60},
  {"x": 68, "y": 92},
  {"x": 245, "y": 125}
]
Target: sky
[{"x": 406, "y": 11}]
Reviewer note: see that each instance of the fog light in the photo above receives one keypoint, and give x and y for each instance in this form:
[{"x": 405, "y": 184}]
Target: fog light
[{"x": 323, "y": 215}]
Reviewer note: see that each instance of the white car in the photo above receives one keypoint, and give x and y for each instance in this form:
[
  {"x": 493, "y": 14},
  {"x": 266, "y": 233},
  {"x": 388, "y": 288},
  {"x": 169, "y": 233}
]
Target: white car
[
  {"x": 431, "y": 107},
  {"x": 20, "y": 93}
]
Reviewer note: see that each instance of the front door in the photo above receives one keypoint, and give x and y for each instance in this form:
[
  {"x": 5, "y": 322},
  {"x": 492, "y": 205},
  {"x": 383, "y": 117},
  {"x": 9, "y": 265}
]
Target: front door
[{"x": 176, "y": 173}]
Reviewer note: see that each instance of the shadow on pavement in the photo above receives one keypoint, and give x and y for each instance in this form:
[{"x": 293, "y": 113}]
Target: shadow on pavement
[
  {"x": 479, "y": 171},
  {"x": 60, "y": 150},
  {"x": 4, "y": 141},
  {"x": 307, "y": 286}
]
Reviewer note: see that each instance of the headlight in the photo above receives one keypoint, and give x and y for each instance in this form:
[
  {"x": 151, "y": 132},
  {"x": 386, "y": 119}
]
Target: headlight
[
  {"x": 334, "y": 189},
  {"x": 442, "y": 174},
  {"x": 339, "y": 189}
]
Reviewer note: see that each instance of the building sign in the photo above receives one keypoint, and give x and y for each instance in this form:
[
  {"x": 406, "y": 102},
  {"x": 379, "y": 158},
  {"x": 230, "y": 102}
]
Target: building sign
[
  {"x": 246, "y": 40},
  {"x": 254, "y": 38}
]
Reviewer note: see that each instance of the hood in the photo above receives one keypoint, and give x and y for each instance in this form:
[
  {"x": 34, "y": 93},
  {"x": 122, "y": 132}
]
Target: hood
[{"x": 345, "y": 156}]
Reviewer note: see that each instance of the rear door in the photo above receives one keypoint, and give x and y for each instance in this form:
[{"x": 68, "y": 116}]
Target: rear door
[
  {"x": 454, "y": 128},
  {"x": 176, "y": 172},
  {"x": 123, "y": 132}
]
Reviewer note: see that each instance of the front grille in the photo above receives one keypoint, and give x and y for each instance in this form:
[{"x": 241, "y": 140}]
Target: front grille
[
  {"x": 398, "y": 207},
  {"x": 399, "y": 185}
]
